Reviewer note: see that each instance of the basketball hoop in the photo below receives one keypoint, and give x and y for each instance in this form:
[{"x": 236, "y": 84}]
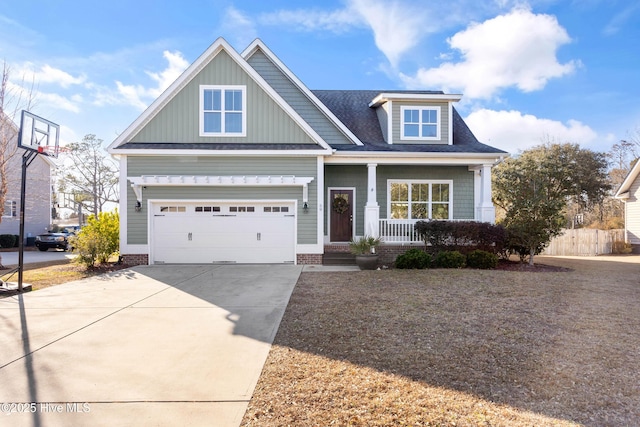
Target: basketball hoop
[{"x": 51, "y": 150}]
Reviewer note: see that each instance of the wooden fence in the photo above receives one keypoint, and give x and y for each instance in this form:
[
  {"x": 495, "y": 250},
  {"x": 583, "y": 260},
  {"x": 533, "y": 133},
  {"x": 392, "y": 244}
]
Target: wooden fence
[{"x": 584, "y": 242}]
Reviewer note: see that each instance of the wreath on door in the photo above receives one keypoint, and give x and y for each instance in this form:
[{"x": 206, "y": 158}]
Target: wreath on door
[{"x": 340, "y": 205}]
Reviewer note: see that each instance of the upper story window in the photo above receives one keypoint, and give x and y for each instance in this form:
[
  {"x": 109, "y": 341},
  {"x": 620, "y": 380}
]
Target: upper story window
[
  {"x": 223, "y": 110},
  {"x": 420, "y": 123}
]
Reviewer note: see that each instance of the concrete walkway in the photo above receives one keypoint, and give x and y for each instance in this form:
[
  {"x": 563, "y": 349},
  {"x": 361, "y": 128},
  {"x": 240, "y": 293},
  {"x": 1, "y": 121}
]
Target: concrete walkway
[
  {"x": 11, "y": 258},
  {"x": 148, "y": 346}
]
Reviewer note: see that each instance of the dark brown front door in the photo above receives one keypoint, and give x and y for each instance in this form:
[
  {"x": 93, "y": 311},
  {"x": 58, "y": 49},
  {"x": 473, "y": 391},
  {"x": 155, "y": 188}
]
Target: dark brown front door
[{"x": 341, "y": 217}]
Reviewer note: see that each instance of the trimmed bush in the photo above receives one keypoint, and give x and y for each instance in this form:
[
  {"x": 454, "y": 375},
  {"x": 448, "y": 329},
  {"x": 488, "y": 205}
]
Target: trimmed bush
[
  {"x": 450, "y": 259},
  {"x": 98, "y": 240},
  {"x": 17, "y": 242},
  {"x": 413, "y": 258},
  {"x": 462, "y": 236},
  {"x": 7, "y": 240},
  {"x": 482, "y": 259}
]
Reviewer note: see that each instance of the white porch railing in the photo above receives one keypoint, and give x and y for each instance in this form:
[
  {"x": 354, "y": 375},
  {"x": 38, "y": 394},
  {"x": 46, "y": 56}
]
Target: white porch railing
[{"x": 402, "y": 230}]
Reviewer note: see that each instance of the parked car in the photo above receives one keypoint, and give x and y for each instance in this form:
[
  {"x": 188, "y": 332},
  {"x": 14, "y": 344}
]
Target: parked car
[{"x": 50, "y": 240}]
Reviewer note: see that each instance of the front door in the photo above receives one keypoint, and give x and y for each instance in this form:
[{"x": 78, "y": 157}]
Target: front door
[{"x": 341, "y": 217}]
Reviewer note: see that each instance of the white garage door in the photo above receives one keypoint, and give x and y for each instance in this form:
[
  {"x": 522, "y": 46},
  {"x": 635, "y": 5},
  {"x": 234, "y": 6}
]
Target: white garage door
[{"x": 210, "y": 232}]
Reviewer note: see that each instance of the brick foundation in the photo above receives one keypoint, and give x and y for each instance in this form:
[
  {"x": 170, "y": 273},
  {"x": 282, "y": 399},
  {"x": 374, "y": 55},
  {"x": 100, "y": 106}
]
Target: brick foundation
[
  {"x": 315, "y": 259},
  {"x": 135, "y": 259},
  {"x": 388, "y": 252}
]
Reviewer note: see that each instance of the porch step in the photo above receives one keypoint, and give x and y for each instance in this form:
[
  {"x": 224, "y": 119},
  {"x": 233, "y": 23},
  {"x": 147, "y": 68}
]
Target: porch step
[{"x": 338, "y": 258}]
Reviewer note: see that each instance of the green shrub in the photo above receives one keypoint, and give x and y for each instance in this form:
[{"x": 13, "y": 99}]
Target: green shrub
[
  {"x": 98, "y": 240},
  {"x": 17, "y": 241},
  {"x": 413, "y": 258},
  {"x": 7, "y": 240},
  {"x": 482, "y": 259},
  {"x": 450, "y": 259}
]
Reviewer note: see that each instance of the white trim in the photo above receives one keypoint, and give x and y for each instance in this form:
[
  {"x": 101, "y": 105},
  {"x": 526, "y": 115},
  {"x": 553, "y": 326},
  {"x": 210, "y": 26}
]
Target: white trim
[
  {"x": 450, "y": 126},
  {"x": 386, "y": 97},
  {"x": 139, "y": 182},
  {"x": 218, "y": 153},
  {"x": 429, "y": 202},
  {"x": 223, "y": 111},
  {"x": 258, "y": 44},
  {"x": 203, "y": 60},
  {"x": 420, "y": 109},
  {"x": 137, "y": 249},
  {"x": 320, "y": 209},
  {"x": 390, "y": 123},
  {"x": 451, "y": 159},
  {"x": 124, "y": 217},
  {"x": 353, "y": 211},
  {"x": 152, "y": 202},
  {"x": 628, "y": 182}
]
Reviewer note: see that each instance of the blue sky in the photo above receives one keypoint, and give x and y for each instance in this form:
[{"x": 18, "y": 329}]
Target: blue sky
[{"x": 564, "y": 71}]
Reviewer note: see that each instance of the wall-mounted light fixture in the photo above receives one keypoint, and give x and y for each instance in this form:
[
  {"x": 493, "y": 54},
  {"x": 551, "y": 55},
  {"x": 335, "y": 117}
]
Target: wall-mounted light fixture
[
  {"x": 305, "y": 207},
  {"x": 138, "y": 206}
]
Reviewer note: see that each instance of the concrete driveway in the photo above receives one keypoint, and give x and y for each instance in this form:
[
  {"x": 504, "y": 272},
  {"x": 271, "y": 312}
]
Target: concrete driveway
[{"x": 149, "y": 346}]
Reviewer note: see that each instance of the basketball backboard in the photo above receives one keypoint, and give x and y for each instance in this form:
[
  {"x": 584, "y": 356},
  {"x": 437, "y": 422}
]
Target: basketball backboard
[{"x": 37, "y": 133}]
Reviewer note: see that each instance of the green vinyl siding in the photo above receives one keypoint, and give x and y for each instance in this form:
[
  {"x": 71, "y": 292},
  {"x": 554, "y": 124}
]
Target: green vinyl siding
[
  {"x": 397, "y": 121},
  {"x": 178, "y": 121},
  {"x": 297, "y": 99},
  {"x": 195, "y": 165}
]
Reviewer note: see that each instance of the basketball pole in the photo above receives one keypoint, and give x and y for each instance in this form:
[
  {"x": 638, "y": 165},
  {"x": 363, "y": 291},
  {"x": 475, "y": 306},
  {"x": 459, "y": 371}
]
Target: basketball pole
[{"x": 27, "y": 158}]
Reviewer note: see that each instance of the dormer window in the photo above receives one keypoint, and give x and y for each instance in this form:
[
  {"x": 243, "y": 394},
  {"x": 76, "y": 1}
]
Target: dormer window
[
  {"x": 420, "y": 123},
  {"x": 223, "y": 110}
]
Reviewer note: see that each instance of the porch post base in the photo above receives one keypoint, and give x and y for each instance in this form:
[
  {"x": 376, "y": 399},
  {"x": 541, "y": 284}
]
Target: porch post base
[
  {"x": 371, "y": 220},
  {"x": 486, "y": 214}
]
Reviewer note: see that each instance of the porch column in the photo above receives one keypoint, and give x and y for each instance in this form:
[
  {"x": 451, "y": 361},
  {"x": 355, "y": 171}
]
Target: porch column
[
  {"x": 372, "y": 209},
  {"x": 486, "y": 209}
]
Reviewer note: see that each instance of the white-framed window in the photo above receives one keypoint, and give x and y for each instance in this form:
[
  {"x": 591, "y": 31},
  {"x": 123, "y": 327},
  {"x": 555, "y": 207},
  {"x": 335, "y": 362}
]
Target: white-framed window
[
  {"x": 223, "y": 110},
  {"x": 419, "y": 199},
  {"x": 10, "y": 209},
  {"x": 420, "y": 123}
]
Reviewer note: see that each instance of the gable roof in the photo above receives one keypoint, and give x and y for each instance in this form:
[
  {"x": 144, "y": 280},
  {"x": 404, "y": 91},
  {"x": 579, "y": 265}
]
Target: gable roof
[
  {"x": 122, "y": 141},
  {"x": 352, "y": 107},
  {"x": 258, "y": 45},
  {"x": 623, "y": 191}
]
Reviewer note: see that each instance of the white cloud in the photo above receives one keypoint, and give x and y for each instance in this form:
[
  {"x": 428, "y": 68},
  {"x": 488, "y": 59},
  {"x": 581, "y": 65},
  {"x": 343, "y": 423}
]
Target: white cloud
[
  {"x": 397, "y": 26},
  {"x": 513, "y": 50},
  {"x": 47, "y": 74},
  {"x": 335, "y": 21},
  {"x": 513, "y": 131},
  {"x": 238, "y": 27},
  {"x": 140, "y": 96},
  {"x": 620, "y": 19}
]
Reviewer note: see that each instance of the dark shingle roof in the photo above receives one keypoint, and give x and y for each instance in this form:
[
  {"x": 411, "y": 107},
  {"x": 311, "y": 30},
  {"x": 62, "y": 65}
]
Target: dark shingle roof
[
  {"x": 351, "y": 107},
  {"x": 216, "y": 147}
]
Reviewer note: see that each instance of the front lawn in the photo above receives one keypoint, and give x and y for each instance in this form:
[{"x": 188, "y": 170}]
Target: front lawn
[{"x": 457, "y": 347}]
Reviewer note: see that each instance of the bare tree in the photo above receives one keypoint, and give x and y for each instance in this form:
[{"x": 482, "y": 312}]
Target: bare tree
[
  {"x": 92, "y": 175},
  {"x": 11, "y": 102}
]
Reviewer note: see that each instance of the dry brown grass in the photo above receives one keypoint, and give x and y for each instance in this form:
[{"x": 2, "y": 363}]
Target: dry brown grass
[
  {"x": 44, "y": 274},
  {"x": 457, "y": 347}
]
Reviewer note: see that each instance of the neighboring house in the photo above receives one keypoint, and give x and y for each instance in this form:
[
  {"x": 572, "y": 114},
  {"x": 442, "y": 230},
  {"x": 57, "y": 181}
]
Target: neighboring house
[
  {"x": 37, "y": 218},
  {"x": 629, "y": 193},
  {"x": 238, "y": 161}
]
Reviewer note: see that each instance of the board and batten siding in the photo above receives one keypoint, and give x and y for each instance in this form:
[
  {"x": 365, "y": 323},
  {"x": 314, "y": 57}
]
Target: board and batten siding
[
  {"x": 179, "y": 120},
  {"x": 397, "y": 121},
  {"x": 345, "y": 176},
  {"x": 633, "y": 213},
  {"x": 296, "y": 99},
  {"x": 212, "y": 166}
]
